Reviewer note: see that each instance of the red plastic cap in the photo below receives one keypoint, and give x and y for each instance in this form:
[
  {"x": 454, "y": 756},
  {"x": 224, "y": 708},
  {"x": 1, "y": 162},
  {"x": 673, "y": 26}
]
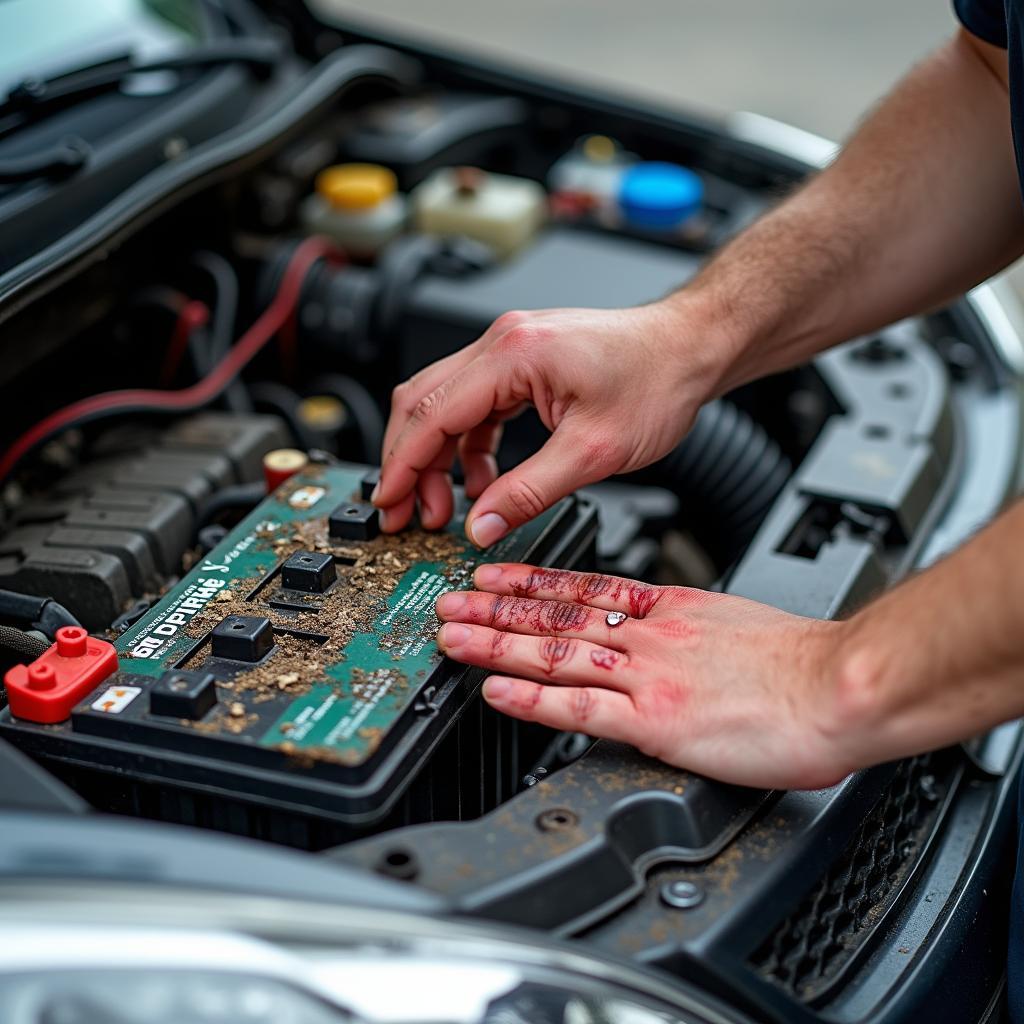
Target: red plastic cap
[
  {"x": 57, "y": 680},
  {"x": 282, "y": 464}
]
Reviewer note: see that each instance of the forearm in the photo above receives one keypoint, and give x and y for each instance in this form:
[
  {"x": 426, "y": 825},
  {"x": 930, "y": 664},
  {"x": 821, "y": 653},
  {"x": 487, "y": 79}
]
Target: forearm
[
  {"x": 921, "y": 204},
  {"x": 938, "y": 659}
]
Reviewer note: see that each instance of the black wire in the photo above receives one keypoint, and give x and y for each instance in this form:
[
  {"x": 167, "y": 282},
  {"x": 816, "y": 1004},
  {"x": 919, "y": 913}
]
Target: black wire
[
  {"x": 54, "y": 615},
  {"x": 40, "y": 613},
  {"x": 12, "y": 639},
  {"x": 198, "y": 347},
  {"x": 285, "y": 403},
  {"x": 234, "y": 496},
  {"x": 365, "y": 412},
  {"x": 225, "y": 313},
  {"x": 225, "y": 283}
]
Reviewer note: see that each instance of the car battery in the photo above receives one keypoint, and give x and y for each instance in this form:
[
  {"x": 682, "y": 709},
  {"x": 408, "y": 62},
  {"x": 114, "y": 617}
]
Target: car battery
[{"x": 294, "y": 668}]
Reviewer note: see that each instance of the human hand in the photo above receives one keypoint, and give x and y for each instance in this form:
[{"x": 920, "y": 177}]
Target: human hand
[
  {"x": 618, "y": 389},
  {"x": 716, "y": 684}
]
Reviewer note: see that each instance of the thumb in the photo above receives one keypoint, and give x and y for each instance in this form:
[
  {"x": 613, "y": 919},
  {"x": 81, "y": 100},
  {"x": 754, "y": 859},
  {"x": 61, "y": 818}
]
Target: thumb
[{"x": 568, "y": 460}]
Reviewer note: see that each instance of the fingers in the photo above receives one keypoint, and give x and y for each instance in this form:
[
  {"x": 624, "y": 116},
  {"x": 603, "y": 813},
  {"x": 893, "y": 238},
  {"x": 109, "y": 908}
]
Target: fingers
[
  {"x": 434, "y": 488},
  {"x": 456, "y": 406},
  {"x": 395, "y": 518},
  {"x": 586, "y": 709},
  {"x": 556, "y": 659},
  {"x": 533, "y": 618},
  {"x": 477, "y": 455},
  {"x": 405, "y": 397},
  {"x": 559, "y": 468},
  {"x": 611, "y": 593},
  {"x": 434, "y": 492}
]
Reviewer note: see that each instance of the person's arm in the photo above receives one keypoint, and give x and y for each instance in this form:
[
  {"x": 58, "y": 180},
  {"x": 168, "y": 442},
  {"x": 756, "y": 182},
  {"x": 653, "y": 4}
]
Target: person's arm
[
  {"x": 746, "y": 693},
  {"x": 921, "y": 204}
]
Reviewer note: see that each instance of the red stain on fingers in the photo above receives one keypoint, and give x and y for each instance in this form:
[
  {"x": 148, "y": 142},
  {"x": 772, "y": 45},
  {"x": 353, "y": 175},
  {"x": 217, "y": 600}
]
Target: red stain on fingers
[
  {"x": 499, "y": 644},
  {"x": 540, "y": 616},
  {"x": 560, "y": 617},
  {"x": 525, "y": 697},
  {"x": 592, "y": 585},
  {"x": 603, "y": 658},
  {"x": 642, "y": 598},
  {"x": 505, "y": 610},
  {"x": 555, "y": 651},
  {"x": 583, "y": 704},
  {"x": 557, "y": 581}
]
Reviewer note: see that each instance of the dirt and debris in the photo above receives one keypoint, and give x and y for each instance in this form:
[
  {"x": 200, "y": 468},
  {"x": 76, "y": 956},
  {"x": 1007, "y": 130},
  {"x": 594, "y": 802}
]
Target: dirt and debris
[
  {"x": 314, "y": 638},
  {"x": 235, "y": 719},
  {"x": 377, "y": 683}
]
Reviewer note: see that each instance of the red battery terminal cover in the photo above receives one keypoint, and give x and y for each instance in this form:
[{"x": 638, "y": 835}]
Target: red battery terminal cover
[
  {"x": 282, "y": 464},
  {"x": 48, "y": 689}
]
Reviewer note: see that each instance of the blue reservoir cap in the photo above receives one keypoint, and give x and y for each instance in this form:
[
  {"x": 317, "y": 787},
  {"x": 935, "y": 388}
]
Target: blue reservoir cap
[{"x": 659, "y": 195}]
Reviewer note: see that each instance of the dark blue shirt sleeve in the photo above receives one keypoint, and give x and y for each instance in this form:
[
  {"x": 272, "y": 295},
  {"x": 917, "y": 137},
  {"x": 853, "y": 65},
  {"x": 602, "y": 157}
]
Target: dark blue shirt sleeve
[{"x": 985, "y": 19}]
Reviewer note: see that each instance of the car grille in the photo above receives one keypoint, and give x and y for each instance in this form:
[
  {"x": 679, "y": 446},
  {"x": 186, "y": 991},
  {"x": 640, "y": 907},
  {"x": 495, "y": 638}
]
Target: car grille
[{"x": 810, "y": 947}]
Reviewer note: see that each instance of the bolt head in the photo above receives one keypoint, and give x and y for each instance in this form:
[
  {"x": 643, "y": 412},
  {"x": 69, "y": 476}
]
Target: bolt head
[{"x": 681, "y": 895}]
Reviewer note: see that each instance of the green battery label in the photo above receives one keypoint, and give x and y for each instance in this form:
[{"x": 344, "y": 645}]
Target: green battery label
[{"x": 347, "y": 662}]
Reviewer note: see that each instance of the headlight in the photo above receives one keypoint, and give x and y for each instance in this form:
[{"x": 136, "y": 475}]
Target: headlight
[{"x": 215, "y": 959}]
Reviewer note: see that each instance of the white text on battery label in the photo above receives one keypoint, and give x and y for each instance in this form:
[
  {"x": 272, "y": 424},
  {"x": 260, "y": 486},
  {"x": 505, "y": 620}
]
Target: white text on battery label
[
  {"x": 115, "y": 699},
  {"x": 418, "y": 599},
  {"x": 166, "y": 626}
]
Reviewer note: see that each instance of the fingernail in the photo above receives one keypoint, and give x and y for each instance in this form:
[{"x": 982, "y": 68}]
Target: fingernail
[
  {"x": 385, "y": 515},
  {"x": 487, "y": 529},
  {"x": 374, "y": 493},
  {"x": 486, "y": 575},
  {"x": 449, "y": 605},
  {"x": 453, "y": 634},
  {"x": 495, "y": 689}
]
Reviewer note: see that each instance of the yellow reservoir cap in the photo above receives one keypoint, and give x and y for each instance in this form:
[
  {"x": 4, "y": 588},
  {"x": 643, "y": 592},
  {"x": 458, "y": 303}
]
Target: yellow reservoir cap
[
  {"x": 356, "y": 186},
  {"x": 600, "y": 149},
  {"x": 322, "y": 412}
]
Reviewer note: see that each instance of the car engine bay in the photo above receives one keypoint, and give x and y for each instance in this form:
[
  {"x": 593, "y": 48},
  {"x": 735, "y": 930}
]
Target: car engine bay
[{"x": 201, "y": 624}]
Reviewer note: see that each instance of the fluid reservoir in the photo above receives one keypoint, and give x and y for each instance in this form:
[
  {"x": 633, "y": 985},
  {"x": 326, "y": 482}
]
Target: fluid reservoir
[
  {"x": 659, "y": 196},
  {"x": 357, "y": 206},
  {"x": 496, "y": 209},
  {"x": 589, "y": 176}
]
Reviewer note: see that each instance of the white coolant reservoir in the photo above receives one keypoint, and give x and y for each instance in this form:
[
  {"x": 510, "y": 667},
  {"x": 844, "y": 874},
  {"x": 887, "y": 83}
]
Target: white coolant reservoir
[
  {"x": 500, "y": 211},
  {"x": 357, "y": 206}
]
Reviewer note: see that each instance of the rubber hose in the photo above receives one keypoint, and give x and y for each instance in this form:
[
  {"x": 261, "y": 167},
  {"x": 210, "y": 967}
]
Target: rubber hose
[
  {"x": 365, "y": 413},
  {"x": 40, "y": 613},
  {"x": 285, "y": 403},
  {"x": 232, "y": 497},
  {"x": 222, "y": 331},
  {"x": 727, "y": 472}
]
